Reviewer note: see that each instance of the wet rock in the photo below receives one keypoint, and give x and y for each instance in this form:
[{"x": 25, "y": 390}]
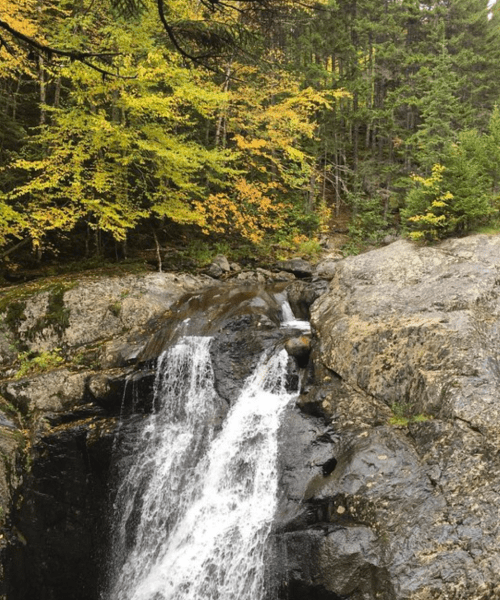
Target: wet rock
[
  {"x": 301, "y": 295},
  {"x": 236, "y": 350},
  {"x": 58, "y": 531},
  {"x": 298, "y": 266},
  {"x": 413, "y": 330},
  {"x": 300, "y": 349},
  {"x": 209, "y": 311},
  {"x": 324, "y": 544},
  {"x": 335, "y": 563}
]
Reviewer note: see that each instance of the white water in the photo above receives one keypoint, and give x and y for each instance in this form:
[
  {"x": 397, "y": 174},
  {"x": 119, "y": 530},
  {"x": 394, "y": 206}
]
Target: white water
[
  {"x": 289, "y": 319},
  {"x": 204, "y": 510}
]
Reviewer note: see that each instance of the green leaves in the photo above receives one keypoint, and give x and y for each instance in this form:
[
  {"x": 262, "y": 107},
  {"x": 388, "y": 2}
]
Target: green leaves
[
  {"x": 457, "y": 195},
  {"x": 128, "y": 8}
]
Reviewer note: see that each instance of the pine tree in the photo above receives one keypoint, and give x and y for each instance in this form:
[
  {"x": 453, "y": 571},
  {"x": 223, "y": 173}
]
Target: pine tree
[{"x": 439, "y": 111}]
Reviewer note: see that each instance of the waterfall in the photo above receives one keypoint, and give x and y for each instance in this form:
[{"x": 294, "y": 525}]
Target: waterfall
[
  {"x": 194, "y": 511},
  {"x": 289, "y": 319}
]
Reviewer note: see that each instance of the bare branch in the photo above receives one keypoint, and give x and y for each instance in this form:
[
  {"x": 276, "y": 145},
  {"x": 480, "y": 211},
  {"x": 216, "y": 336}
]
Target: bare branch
[
  {"x": 171, "y": 35},
  {"x": 73, "y": 55}
]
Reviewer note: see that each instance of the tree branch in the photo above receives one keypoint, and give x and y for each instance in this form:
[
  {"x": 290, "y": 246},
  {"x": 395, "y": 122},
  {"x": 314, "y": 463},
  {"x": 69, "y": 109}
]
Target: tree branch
[
  {"x": 173, "y": 39},
  {"x": 73, "y": 55}
]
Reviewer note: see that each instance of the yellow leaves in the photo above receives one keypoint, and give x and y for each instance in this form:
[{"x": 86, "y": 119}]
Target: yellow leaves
[
  {"x": 250, "y": 144},
  {"x": 18, "y": 14},
  {"x": 250, "y": 210},
  {"x": 436, "y": 176},
  {"x": 11, "y": 221},
  {"x": 431, "y": 214},
  {"x": 428, "y": 218},
  {"x": 120, "y": 150},
  {"x": 177, "y": 208},
  {"x": 446, "y": 196}
]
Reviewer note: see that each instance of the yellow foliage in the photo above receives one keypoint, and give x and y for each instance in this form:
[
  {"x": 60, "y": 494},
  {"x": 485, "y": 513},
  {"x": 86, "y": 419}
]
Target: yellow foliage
[
  {"x": 118, "y": 150},
  {"x": 19, "y": 15},
  {"x": 249, "y": 210}
]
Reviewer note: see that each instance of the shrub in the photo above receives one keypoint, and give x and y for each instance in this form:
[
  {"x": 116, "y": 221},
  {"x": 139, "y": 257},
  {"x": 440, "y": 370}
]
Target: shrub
[
  {"x": 38, "y": 363},
  {"x": 453, "y": 199}
]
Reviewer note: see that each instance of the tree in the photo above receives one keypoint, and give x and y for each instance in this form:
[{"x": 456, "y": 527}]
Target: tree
[
  {"x": 439, "y": 111},
  {"x": 120, "y": 150},
  {"x": 456, "y": 196}
]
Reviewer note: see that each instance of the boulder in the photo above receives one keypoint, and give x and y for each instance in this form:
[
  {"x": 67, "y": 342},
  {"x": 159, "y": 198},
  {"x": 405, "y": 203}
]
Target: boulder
[
  {"x": 298, "y": 266},
  {"x": 219, "y": 267},
  {"x": 302, "y": 294},
  {"x": 410, "y": 331},
  {"x": 325, "y": 269},
  {"x": 300, "y": 348}
]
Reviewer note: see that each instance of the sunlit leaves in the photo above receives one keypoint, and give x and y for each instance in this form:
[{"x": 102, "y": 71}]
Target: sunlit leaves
[{"x": 116, "y": 151}]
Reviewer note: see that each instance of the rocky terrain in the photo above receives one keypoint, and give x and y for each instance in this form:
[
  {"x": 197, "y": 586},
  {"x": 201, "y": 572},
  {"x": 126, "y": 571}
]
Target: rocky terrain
[
  {"x": 398, "y": 496},
  {"x": 389, "y": 460}
]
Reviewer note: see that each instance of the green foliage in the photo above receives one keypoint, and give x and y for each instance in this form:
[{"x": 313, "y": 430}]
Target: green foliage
[
  {"x": 309, "y": 248},
  {"x": 456, "y": 196},
  {"x": 402, "y": 415},
  {"x": 367, "y": 225},
  {"x": 199, "y": 251},
  {"x": 343, "y": 102},
  {"x": 295, "y": 244},
  {"x": 33, "y": 363},
  {"x": 492, "y": 228},
  {"x": 440, "y": 111}
]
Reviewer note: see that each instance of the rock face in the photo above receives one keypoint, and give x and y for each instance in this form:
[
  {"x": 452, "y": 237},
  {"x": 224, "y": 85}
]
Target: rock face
[
  {"x": 398, "y": 493},
  {"x": 57, "y": 424}
]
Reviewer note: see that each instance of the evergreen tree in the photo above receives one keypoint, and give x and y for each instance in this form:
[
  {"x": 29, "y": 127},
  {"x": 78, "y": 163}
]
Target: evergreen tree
[{"x": 440, "y": 112}]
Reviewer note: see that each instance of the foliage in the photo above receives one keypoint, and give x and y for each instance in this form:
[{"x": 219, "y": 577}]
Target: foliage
[
  {"x": 455, "y": 197},
  {"x": 251, "y": 120},
  {"x": 122, "y": 150},
  {"x": 402, "y": 415},
  {"x": 32, "y": 363},
  {"x": 367, "y": 226}
]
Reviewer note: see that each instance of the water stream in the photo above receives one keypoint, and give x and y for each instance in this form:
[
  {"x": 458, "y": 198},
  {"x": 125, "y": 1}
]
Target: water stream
[
  {"x": 290, "y": 321},
  {"x": 195, "y": 509}
]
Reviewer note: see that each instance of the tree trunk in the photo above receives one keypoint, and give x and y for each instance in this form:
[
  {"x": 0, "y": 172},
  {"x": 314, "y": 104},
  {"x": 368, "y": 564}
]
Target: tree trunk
[{"x": 43, "y": 90}]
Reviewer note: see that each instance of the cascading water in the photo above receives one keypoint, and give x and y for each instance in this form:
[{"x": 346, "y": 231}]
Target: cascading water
[
  {"x": 195, "y": 510},
  {"x": 289, "y": 319}
]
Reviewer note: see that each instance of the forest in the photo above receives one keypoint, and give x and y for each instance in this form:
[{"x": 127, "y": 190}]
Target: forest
[{"x": 247, "y": 127}]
